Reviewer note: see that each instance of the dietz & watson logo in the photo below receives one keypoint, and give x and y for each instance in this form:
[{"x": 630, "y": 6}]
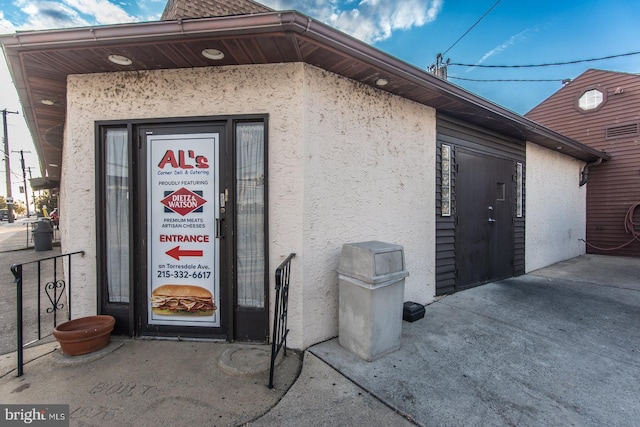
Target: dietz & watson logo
[
  {"x": 38, "y": 415},
  {"x": 183, "y": 201}
]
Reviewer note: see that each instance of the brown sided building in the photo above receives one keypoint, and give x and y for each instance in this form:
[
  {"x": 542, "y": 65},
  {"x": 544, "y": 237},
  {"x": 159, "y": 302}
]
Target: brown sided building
[{"x": 602, "y": 110}]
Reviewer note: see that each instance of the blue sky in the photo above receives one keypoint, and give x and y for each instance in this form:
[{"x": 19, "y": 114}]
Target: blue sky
[{"x": 514, "y": 32}]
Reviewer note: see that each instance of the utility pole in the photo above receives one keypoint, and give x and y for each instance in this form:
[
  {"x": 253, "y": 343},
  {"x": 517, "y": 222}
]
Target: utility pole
[
  {"x": 33, "y": 194},
  {"x": 439, "y": 67},
  {"x": 24, "y": 179},
  {"x": 7, "y": 165}
]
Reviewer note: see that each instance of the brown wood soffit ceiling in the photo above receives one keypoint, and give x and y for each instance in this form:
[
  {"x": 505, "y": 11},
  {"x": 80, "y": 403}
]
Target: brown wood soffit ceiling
[{"x": 41, "y": 61}]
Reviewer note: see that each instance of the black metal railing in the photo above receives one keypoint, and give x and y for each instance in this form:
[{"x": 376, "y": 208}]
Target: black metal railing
[
  {"x": 280, "y": 331},
  {"x": 50, "y": 272}
]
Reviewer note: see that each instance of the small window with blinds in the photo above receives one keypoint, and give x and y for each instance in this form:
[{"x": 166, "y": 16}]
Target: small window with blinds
[{"x": 623, "y": 131}]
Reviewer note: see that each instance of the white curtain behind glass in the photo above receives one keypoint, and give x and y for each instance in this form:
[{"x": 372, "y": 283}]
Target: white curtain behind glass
[
  {"x": 117, "y": 215},
  {"x": 250, "y": 214}
]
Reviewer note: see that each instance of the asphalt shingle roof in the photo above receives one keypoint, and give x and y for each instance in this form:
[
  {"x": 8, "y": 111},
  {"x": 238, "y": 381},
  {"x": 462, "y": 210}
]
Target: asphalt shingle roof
[{"x": 178, "y": 9}]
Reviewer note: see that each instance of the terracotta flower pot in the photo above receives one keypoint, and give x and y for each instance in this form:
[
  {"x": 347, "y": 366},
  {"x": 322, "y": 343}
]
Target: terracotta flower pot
[{"x": 85, "y": 334}]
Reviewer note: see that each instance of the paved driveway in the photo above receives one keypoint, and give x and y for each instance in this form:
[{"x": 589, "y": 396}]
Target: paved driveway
[{"x": 560, "y": 346}]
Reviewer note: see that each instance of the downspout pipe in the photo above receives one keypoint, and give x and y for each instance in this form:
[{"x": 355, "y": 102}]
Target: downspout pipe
[{"x": 585, "y": 171}]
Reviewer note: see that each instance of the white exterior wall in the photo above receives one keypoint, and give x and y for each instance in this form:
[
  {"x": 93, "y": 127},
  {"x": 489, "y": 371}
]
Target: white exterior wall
[
  {"x": 271, "y": 89},
  {"x": 369, "y": 162},
  {"x": 346, "y": 163},
  {"x": 555, "y": 208}
]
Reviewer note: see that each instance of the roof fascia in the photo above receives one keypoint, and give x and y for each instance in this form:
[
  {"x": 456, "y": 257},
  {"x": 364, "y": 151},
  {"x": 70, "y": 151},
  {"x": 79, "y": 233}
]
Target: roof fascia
[{"x": 394, "y": 66}]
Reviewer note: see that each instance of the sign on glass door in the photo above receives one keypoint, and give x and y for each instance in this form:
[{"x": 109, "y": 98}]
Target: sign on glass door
[{"x": 182, "y": 207}]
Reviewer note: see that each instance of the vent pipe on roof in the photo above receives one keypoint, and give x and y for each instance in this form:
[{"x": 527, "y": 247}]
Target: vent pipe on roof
[{"x": 585, "y": 171}]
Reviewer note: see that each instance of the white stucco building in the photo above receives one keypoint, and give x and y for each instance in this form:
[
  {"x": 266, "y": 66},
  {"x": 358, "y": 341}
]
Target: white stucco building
[{"x": 294, "y": 138}]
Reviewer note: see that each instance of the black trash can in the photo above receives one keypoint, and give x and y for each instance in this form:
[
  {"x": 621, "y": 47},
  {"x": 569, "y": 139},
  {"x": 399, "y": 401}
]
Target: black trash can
[{"x": 42, "y": 235}]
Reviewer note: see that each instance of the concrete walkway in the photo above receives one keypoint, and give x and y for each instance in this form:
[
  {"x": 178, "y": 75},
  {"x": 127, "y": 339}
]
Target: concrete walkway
[
  {"x": 560, "y": 346},
  {"x": 135, "y": 382}
]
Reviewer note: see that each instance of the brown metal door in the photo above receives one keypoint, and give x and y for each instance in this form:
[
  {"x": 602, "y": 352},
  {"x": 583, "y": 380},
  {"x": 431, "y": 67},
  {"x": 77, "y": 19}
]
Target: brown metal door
[{"x": 484, "y": 231}]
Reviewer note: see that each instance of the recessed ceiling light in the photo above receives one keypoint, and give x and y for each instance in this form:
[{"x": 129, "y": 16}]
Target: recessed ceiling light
[
  {"x": 120, "y": 60},
  {"x": 559, "y": 147},
  {"x": 214, "y": 54},
  {"x": 47, "y": 102},
  {"x": 53, "y": 165},
  {"x": 382, "y": 82}
]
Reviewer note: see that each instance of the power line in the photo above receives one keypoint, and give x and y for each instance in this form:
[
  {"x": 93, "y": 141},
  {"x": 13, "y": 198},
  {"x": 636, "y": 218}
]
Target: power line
[
  {"x": 471, "y": 28},
  {"x": 551, "y": 64},
  {"x": 507, "y": 80}
]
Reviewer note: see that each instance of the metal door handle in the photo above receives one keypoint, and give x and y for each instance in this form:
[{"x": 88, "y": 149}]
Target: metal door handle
[{"x": 219, "y": 228}]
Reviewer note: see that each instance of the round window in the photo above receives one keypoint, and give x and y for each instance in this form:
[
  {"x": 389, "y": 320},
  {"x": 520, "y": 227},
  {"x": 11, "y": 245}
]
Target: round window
[{"x": 590, "y": 100}]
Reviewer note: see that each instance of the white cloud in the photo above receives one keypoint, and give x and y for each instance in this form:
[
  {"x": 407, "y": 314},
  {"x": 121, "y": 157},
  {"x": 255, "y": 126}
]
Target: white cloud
[
  {"x": 103, "y": 11},
  {"x": 367, "y": 20},
  {"x": 44, "y": 14},
  {"x": 48, "y": 14},
  {"x": 6, "y": 26}
]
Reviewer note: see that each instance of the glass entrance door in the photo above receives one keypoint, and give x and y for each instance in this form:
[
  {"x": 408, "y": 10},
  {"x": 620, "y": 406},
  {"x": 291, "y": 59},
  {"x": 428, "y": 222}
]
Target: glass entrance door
[
  {"x": 185, "y": 200},
  {"x": 182, "y": 234}
]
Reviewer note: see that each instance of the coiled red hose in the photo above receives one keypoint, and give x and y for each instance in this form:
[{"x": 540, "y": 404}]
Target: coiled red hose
[{"x": 629, "y": 227}]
